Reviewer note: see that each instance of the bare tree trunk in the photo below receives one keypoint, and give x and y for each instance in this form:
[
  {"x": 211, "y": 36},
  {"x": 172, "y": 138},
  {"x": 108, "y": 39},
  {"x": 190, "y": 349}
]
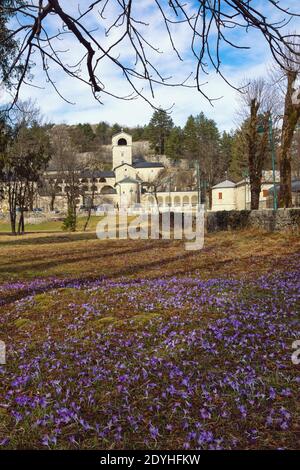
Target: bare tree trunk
[
  {"x": 255, "y": 192},
  {"x": 290, "y": 119},
  {"x": 52, "y": 201},
  {"x": 21, "y": 224},
  {"x": 257, "y": 150},
  {"x": 12, "y": 216},
  {"x": 210, "y": 198},
  {"x": 31, "y": 192},
  {"x": 12, "y": 198},
  {"x": 252, "y": 138},
  {"x": 87, "y": 219},
  {"x": 89, "y": 210},
  {"x": 22, "y": 199},
  {"x": 285, "y": 191}
]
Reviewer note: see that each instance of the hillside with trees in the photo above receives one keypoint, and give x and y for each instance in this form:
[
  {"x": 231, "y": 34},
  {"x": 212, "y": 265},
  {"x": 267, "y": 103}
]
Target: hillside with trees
[{"x": 220, "y": 154}]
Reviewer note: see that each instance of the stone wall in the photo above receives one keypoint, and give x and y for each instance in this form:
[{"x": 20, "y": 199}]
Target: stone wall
[
  {"x": 270, "y": 220},
  {"x": 266, "y": 219}
]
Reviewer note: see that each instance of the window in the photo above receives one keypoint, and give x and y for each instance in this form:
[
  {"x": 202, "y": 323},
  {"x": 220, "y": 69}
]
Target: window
[
  {"x": 265, "y": 193},
  {"x": 220, "y": 195}
]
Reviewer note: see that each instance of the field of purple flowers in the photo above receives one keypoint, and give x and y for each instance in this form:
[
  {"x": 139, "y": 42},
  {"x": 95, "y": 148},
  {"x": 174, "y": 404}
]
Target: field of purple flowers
[{"x": 174, "y": 361}]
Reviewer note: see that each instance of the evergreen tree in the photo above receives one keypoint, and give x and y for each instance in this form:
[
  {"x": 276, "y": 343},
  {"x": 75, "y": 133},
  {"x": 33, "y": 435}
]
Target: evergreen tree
[
  {"x": 190, "y": 139},
  {"x": 226, "y": 144},
  {"x": 209, "y": 149},
  {"x": 139, "y": 133},
  {"x": 238, "y": 167},
  {"x": 8, "y": 46},
  {"x": 103, "y": 133},
  {"x": 115, "y": 129},
  {"x": 174, "y": 144},
  {"x": 159, "y": 129},
  {"x": 82, "y": 137},
  {"x": 202, "y": 144}
]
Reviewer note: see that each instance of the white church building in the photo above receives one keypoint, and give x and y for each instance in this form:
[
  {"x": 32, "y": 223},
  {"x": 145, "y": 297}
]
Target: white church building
[{"x": 125, "y": 184}]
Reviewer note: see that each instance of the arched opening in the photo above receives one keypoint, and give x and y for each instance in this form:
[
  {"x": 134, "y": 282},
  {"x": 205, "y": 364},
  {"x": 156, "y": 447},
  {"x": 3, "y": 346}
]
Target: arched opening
[
  {"x": 122, "y": 141},
  {"x": 102, "y": 180},
  {"x": 160, "y": 201},
  {"x": 150, "y": 200},
  {"x": 194, "y": 200},
  {"x": 108, "y": 190},
  {"x": 177, "y": 201},
  {"x": 186, "y": 200}
]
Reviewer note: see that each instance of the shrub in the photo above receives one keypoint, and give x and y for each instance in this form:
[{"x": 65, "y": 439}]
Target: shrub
[{"x": 69, "y": 223}]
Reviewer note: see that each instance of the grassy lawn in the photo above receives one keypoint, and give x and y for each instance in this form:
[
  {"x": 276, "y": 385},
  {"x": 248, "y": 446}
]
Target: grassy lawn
[
  {"x": 140, "y": 344},
  {"x": 53, "y": 225}
]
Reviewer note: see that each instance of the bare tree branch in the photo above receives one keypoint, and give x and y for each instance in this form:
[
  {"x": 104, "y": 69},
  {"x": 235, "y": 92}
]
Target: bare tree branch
[{"x": 208, "y": 23}]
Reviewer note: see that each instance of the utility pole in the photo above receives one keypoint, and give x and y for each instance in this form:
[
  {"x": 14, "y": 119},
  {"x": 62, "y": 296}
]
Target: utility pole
[
  {"x": 170, "y": 180},
  {"x": 271, "y": 139},
  {"x": 245, "y": 175},
  {"x": 197, "y": 166},
  {"x": 261, "y": 130}
]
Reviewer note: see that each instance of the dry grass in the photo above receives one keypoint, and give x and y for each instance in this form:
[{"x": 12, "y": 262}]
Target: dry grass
[
  {"x": 94, "y": 314},
  {"x": 82, "y": 255}
]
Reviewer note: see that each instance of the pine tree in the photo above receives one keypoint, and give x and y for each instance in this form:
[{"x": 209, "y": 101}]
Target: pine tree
[
  {"x": 190, "y": 139},
  {"x": 174, "y": 144},
  {"x": 82, "y": 137},
  {"x": 103, "y": 133},
  {"x": 238, "y": 167},
  {"x": 226, "y": 144},
  {"x": 8, "y": 46},
  {"x": 159, "y": 129},
  {"x": 202, "y": 144},
  {"x": 139, "y": 133},
  {"x": 115, "y": 129}
]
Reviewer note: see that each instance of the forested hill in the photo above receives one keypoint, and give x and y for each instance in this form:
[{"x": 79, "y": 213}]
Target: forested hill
[
  {"x": 220, "y": 154},
  {"x": 199, "y": 139}
]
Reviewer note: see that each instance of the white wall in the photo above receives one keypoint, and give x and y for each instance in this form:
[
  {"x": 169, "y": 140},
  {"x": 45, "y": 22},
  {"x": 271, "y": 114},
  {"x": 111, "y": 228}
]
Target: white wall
[
  {"x": 238, "y": 198},
  {"x": 125, "y": 171},
  {"x": 148, "y": 174},
  {"x": 128, "y": 193},
  {"x": 173, "y": 198},
  {"x": 121, "y": 153},
  {"x": 227, "y": 203}
]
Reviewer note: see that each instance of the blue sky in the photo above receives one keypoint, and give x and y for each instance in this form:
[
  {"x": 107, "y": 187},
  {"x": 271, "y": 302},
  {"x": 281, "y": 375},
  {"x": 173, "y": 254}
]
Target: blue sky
[{"x": 236, "y": 66}]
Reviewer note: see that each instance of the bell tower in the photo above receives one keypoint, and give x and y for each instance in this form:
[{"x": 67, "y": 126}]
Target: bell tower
[{"x": 121, "y": 149}]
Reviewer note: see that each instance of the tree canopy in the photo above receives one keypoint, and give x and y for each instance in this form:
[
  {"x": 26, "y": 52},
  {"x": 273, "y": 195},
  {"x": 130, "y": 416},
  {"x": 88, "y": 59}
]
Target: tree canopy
[{"x": 159, "y": 129}]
